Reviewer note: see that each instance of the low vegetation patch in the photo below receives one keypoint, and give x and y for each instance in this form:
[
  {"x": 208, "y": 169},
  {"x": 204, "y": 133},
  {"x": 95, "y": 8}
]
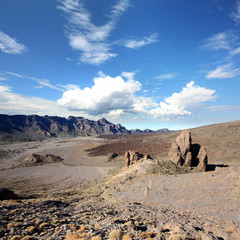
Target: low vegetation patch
[{"x": 169, "y": 168}]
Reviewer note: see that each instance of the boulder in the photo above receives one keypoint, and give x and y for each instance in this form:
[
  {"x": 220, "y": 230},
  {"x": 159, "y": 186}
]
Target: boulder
[{"x": 184, "y": 153}]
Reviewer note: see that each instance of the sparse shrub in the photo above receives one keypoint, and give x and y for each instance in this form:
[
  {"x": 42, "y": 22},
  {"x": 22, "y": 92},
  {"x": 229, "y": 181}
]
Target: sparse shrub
[
  {"x": 177, "y": 237},
  {"x": 82, "y": 229},
  {"x": 116, "y": 234},
  {"x": 96, "y": 238},
  {"x": 127, "y": 236},
  {"x": 72, "y": 236}
]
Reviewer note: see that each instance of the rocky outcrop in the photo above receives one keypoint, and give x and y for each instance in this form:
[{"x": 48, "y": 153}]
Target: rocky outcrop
[
  {"x": 31, "y": 127},
  {"x": 131, "y": 157},
  {"x": 184, "y": 153},
  {"x": 35, "y": 159}
]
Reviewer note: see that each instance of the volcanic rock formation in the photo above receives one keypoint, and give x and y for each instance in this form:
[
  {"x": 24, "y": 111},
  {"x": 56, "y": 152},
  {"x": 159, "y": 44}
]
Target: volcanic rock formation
[
  {"x": 132, "y": 157},
  {"x": 184, "y": 153}
]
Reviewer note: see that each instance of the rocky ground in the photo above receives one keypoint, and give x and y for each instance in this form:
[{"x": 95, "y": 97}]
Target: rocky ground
[
  {"x": 97, "y": 218},
  {"x": 86, "y": 197}
]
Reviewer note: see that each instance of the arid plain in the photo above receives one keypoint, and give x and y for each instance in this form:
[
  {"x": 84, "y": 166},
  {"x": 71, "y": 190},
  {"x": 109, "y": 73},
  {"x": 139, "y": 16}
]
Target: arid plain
[{"x": 91, "y": 195}]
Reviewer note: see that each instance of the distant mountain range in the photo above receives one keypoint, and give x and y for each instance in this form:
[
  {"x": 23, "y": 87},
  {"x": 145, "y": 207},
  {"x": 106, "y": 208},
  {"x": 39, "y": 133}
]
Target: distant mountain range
[{"x": 32, "y": 127}]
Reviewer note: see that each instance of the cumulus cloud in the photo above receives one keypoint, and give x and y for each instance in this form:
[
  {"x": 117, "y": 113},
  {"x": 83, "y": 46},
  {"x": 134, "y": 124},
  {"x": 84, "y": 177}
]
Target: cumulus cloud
[
  {"x": 106, "y": 95},
  {"x": 145, "y": 41},
  {"x": 10, "y": 45},
  {"x": 115, "y": 114},
  {"x": 85, "y": 36},
  {"x": 128, "y": 75},
  {"x": 183, "y": 103},
  {"x": 166, "y": 76},
  {"x": 117, "y": 97},
  {"x": 225, "y": 71}
]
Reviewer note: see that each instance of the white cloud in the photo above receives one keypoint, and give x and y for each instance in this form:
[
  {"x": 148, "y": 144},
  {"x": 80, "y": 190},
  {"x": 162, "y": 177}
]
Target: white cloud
[
  {"x": 143, "y": 104},
  {"x": 236, "y": 14},
  {"x": 145, "y": 41},
  {"x": 227, "y": 40},
  {"x": 167, "y": 76},
  {"x": 10, "y": 45},
  {"x": 220, "y": 41},
  {"x": 85, "y": 36},
  {"x": 69, "y": 86},
  {"x": 222, "y": 108},
  {"x": 41, "y": 81},
  {"x": 225, "y": 71},
  {"x": 115, "y": 114},
  {"x": 68, "y": 59},
  {"x": 128, "y": 75},
  {"x": 179, "y": 104},
  {"x": 12, "y": 103},
  {"x": 235, "y": 52},
  {"x": 2, "y": 78},
  {"x": 117, "y": 97},
  {"x": 106, "y": 95}
]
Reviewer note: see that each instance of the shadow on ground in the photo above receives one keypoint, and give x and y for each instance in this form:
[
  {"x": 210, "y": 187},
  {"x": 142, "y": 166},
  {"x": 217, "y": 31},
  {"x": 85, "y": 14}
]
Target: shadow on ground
[{"x": 212, "y": 167}]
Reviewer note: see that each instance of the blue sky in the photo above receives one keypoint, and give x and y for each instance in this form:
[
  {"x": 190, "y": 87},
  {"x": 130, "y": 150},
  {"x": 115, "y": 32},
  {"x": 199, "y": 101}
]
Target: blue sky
[{"x": 144, "y": 64}]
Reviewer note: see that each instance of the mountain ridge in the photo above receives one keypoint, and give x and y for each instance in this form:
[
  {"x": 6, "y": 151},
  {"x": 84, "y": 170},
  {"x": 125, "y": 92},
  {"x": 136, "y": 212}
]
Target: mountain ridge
[{"x": 37, "y": 127}]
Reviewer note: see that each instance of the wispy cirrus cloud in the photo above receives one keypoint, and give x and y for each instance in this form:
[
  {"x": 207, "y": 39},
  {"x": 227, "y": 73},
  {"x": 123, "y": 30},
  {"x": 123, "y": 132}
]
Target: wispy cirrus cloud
[
  {"x": 236, "y": 13},
  {"x": 228, "y": 41},
  {"x": 2, "y": 78},
  {"x": 85, "y": 36},
  {"x": 10, "y": 45},
  {"x": 224, "y": 71},
  {"x": 222, "y": 108},
  {"x": 140, "y": 43},
  {"x": 167, "y": 76},
  {"x": 43, "y": 82},
  {"x": 220, "y": 41}
]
